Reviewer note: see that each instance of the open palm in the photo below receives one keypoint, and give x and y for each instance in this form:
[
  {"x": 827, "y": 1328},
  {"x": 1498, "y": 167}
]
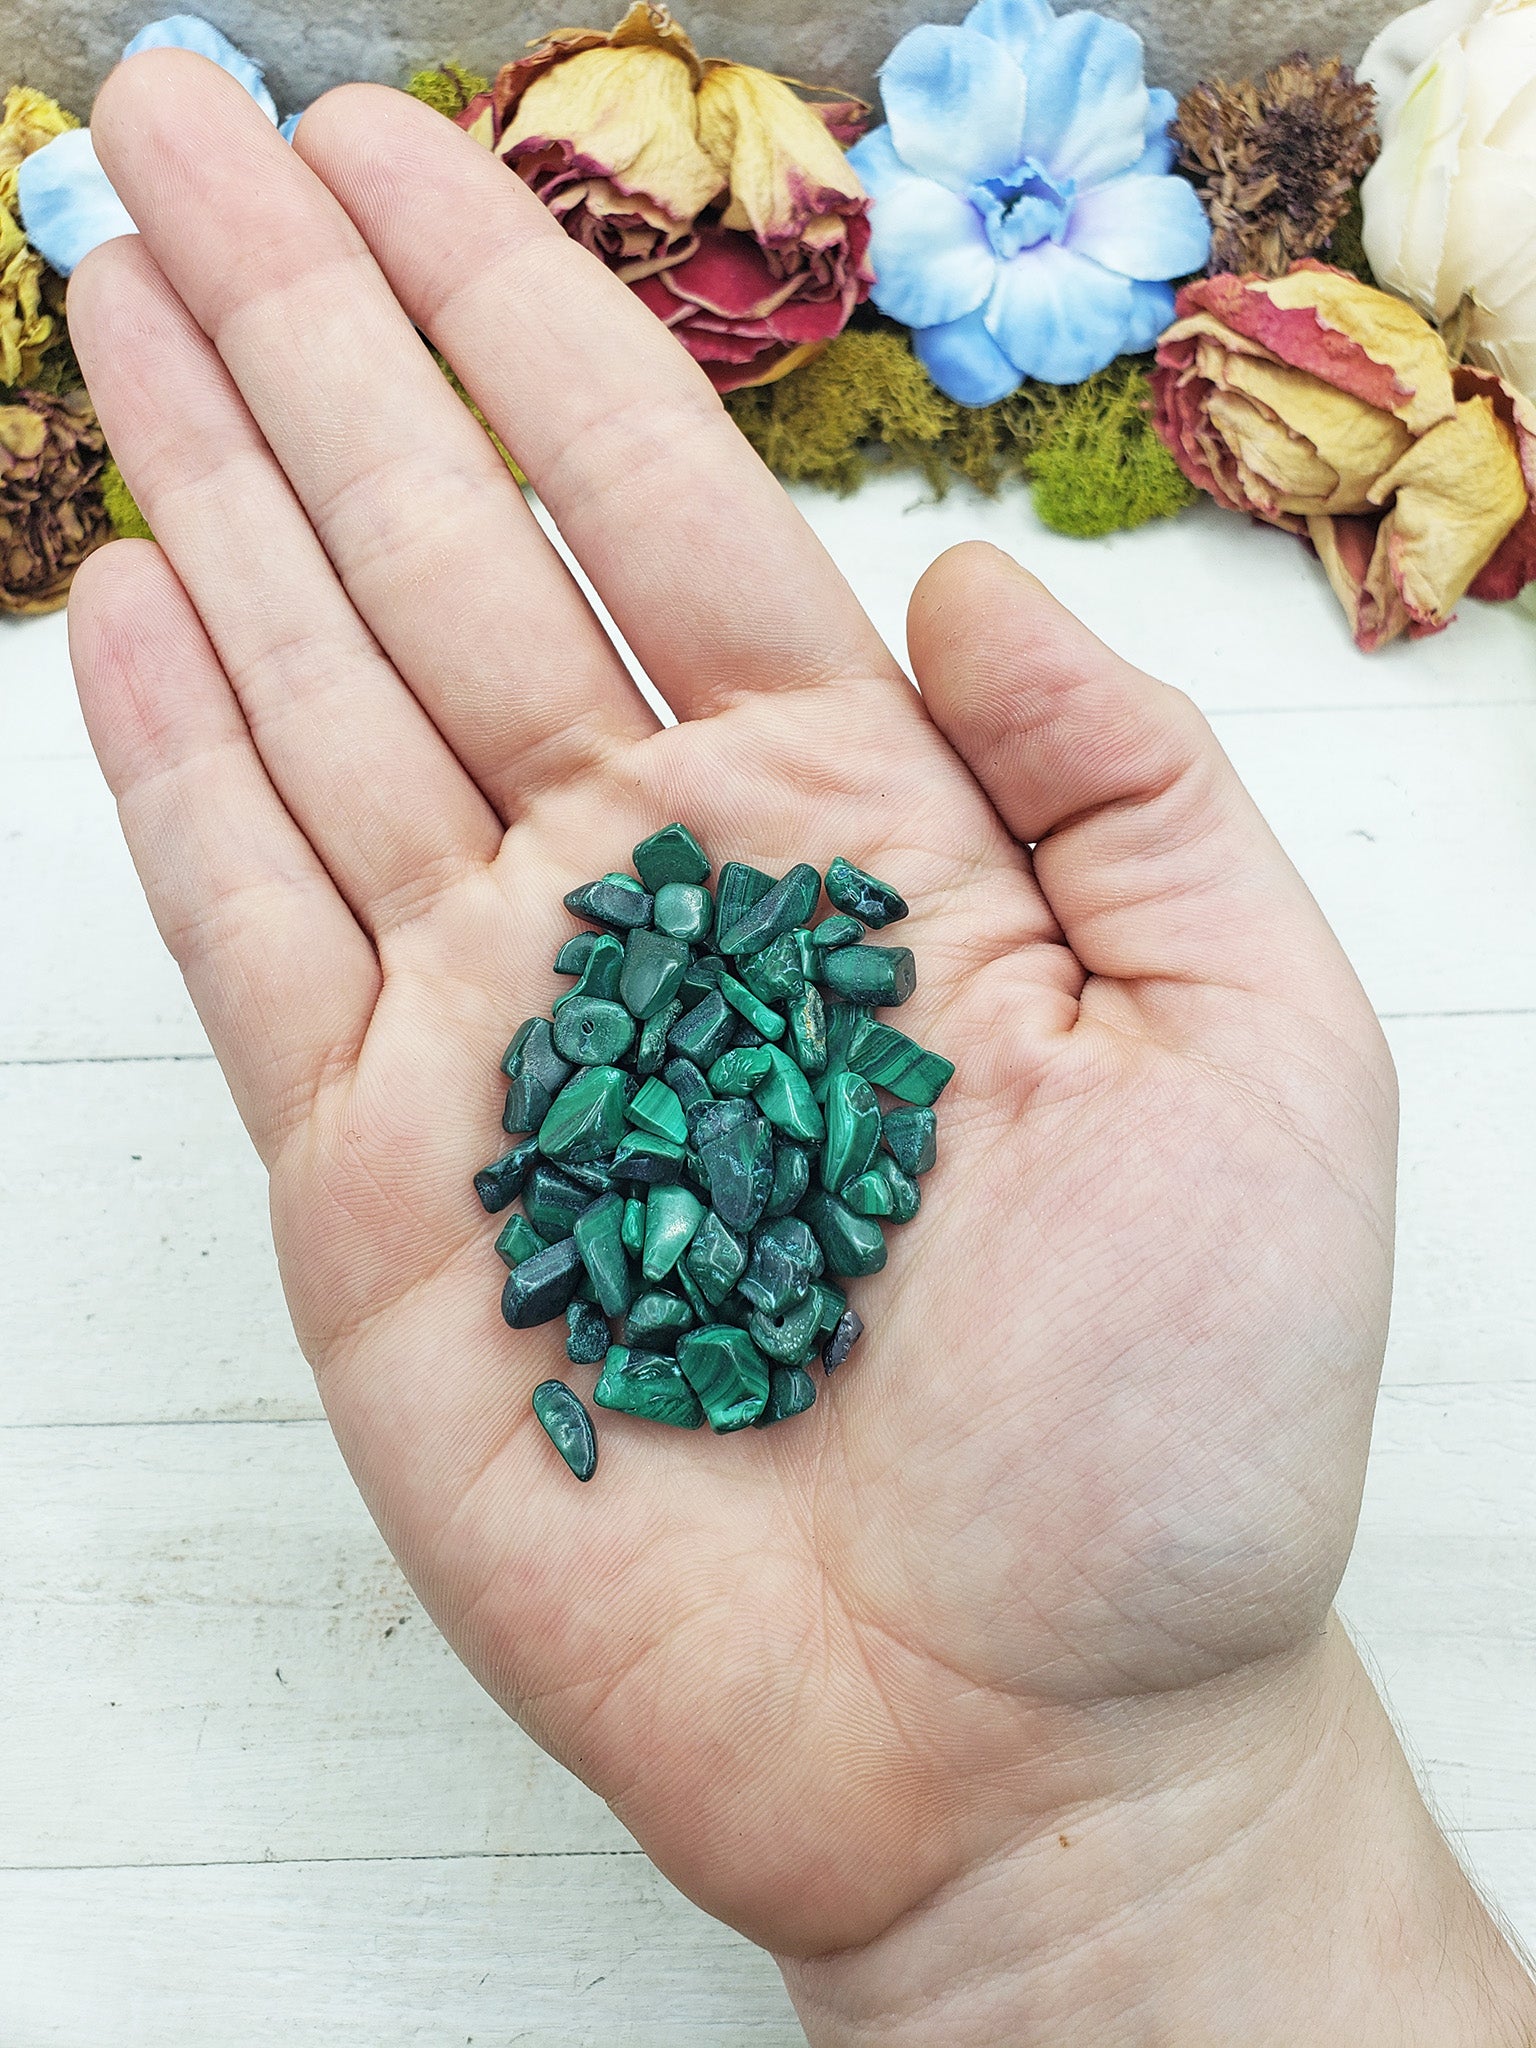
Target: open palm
[{"x": 1104, "y": 1438}]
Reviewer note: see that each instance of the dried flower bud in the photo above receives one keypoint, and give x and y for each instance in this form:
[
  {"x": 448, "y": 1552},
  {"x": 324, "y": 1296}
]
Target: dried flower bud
[{"x": 51, "y": 513}]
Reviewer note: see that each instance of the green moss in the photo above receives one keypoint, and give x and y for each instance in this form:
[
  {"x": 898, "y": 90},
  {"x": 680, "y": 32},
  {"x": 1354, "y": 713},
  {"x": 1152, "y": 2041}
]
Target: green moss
[
  {"x": 1345, "y": 247},
  {"x": 496, "y": 442},
  {"x": 449, "y": 88},
  {"x": 1098, "y": 466},
  {"x": 124, "y": 514}
]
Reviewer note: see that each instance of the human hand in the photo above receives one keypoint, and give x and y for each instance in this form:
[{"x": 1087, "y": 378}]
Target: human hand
[{"x": 1086, "y": 1490}]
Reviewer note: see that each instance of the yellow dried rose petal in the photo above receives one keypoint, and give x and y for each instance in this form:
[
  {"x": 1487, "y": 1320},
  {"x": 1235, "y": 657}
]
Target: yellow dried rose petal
[
  {"x": 782, "y": 167},
  {"x": 1455, "y": 494}
]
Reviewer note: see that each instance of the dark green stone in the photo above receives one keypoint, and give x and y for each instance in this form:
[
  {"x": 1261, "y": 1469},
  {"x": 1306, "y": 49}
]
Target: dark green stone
[
  {"x": 737, "y": 1157},
  {"x": 518, "y": 1241},
  {"x": 850, "y": 1329},
  {"x": 599, "y": 971},
  {"x": 807, "y": 1015},
  {"x": 853, "y": 1245},
  {"x": 703, "y": 976},
  {"x": 686, "y": 1082},
  {"x": 652, "y": 1049},
  {"x": 895, "y": 1062},
  {"x": 655, "y": 1321},
  {"x": 703, "y": 1033},
  {"x": 836, "y": 931},
  {"x": 541, "y": 1287},
  {"x": 586, "y": 1334},
  {"x": 833, "y": 1301},
  {"x": 790, "y": 1336},
  {"x": 502, "y": 1181},
  {"x": 861, "y": 895},
  {"x": 593, "y": 1032},
  {"x": 745, "y": 1038},
  {"x": 870, "y": 1194},
  {"x": 600, "y": 1240},
  {"x": 758, "y": 1015},
  {"x": 634, "y": 1227},
  {"x": 704, "y": 1310},
  {"x": 853, "y": 1129},
  {"x": 657, "y": 1110},
  {"x": 786, "y": 1100},
  {"x": 670, "y": 855},
  {"x": 596, "y": 1174},
  {"x": 878, "y": 975},
  {"x": 653, "y": 971},
  {"x": 911, "y": 1136},
  {"x": 785, "y": 1260},
  {"x": 790, "y": 1392},
  {"x": 554, "y": 1201},
  {"x": 774, "y": 975},
  {"x": 672, "y": 1215},
  {"x": 586, "y": 1119},
  {"x": 567, "y": 1425},
  {"x": 648, "y": 1159},
  {"x": 739, "y": 1071},
  {"x": 636, "y": 1382},
  {"x": 737, "y": 889},
  {"x": 727, "y": 1372},
  {"x": 683, "y": 911},
  {"x": 572, "y": 956},
  {"x": 779, "y": 909},
  {"x": 791, "y": 1178},
  {"x": 716, "y": 1258},
  {"x": 537, "y": 1074},
  {"x": 616, "y": 900},
  {"x": 847, "y": 1027},
  {"x": 906, "y": 1195}
]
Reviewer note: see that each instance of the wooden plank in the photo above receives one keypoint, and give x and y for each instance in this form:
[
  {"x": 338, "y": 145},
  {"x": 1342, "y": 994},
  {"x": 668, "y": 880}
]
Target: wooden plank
[{"x": 542, "y": 1952}]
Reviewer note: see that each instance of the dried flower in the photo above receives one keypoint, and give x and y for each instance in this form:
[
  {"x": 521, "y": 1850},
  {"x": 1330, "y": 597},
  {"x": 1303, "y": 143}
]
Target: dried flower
[
  {"x": 1333, "y": 411},
  {"x": 51, "y": 513},
  {"x": 31, "y": 306},
  {"x": 1277, "y": 161},
  {"x": 719, "y": 196}
]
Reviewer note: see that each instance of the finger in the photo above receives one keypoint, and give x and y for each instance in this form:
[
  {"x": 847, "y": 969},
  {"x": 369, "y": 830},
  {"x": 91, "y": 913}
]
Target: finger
[
  {"x": 709, "y": 572},
  {"x": 1151, "y": 853},
  {"x": 353, "y": 756},
  {"x": 431, "y": 537},
  {"x": 283, "y": 978}
]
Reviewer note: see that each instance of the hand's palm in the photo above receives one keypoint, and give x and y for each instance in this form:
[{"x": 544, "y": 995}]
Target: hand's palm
[{"x": 1103, "y": 1435}]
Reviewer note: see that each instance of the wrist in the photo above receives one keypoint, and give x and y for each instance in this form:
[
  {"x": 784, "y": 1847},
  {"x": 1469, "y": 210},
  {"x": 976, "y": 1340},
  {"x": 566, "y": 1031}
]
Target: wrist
[{"x": 1267, "y": 1873}]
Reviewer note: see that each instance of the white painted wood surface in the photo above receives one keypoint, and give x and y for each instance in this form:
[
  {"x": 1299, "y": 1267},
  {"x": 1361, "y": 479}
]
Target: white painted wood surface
[{"x": 245, "y": 1791}]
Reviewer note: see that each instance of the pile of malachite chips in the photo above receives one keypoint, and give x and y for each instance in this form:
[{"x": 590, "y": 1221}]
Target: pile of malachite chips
[{"x": 705, "y": 1154}]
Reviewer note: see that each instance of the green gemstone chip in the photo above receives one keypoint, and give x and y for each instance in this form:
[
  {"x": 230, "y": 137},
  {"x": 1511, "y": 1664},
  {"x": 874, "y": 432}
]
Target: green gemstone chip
[{"x": 727, "y": 1372}]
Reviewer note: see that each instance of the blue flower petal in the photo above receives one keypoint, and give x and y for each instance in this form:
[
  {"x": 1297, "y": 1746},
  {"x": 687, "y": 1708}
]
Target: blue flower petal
[
  {"x": 1016, "y": 24},
  {"x": 1151, "y": 311},
  {"x": 1160, "y": 148},
  {"x": 1057, "y": 316},
  {"x": 1087, "y": 99},
  {"x": 929, "y": 247},
  {"x": 191, "y": 32},
  {"x": 286, "y": 128},
  {"x": 67, "y": 204},
  {"x": 965, "y": 362},
  {"x": 955, "y": 103},
  {"x": 1145, "y": 227}
]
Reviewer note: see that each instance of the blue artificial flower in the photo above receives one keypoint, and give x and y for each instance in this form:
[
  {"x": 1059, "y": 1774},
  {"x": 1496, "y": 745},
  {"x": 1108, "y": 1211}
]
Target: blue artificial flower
[
  {"x": 67, "y": 203},
  {"x": 1025, "y": 222}
]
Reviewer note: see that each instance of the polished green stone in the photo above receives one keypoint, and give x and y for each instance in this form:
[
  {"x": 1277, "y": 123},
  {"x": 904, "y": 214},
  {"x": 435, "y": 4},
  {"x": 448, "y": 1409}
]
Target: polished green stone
[
  {"x": 518, "y": 1240},
  {"x": 642, "y": 1156},
  {"x": 586, "y": 1119},
  {"x": 791, "y": 1178},
  {"x": 716, "y": 1258},
  {"x": 647, "y": 1383},
  {"x": 683, "y": 911},
  {"x": 656, "y": 1320},
  {"x": 657, "y": 1110},
  {"x": 893, "y": 1061},
  {"x": 702, "y": 1309},
  {"x": 737, "y": 889},
  {"x": 911, "y": 1136},
  {"x": 600, "y": 1240},
  {"x": 790, "y": 1392},
  {"x": 906, "y": 1195},
  {"x": 746, "y": 1038},
  {"x": 540, "y": 1288},
  {"x": 616, "y": 900},
  {"x": 686, "y": 1082},
  {"x": 836, "y": 931},
  {"x": 554, "y": 1201},
  {"x": 853, "y": 1245},
  {"x": 861, "y": 895},
  {"x": 586, "y": 1334},
  {"x": 502, "y": 1181},
  {"x": 774, "y": 975},
  {"x": 672, "y": 1215},
  {"x": 600, "y": 970},
  {"x": 651, "y": 1052},
  {"x": 790, "y": 1335},
  {"x": 785, "y": 1098},
  {"x": 736, "y": 1154},
  {"x": 727, "y": 1372},
  {"x": 853, "y": 1129},
  {"x": 878, "y": 975},
  {"x": 702, "y": 977},
  {"x": 847, "y": 1027},
  {"x": 567, "y": 1425},
  {"x": 807, "y": 1015},
  {"x": 833, "y": 1302},
  {"x": 653, "y": 970},
  {"x": 779, "y": 909},
  {"x": 870, "y": 1194},
  {"x": 670, "y": 855},
  {"x": 572, "y": 956},
  {"x": 596, "y": 1174},
  {"x": 739, "y": 1071},
  {"x": 703, "y": 1033},
  {"x": 785, "y": 1260},
  {"x": 592, "y": 1032},
  {"x": 633, "y": 1232},
  {"x": 758, "y": 1015},
  {"x": 842, "y": 1340},
  {"x": 537, "y": 1074}
]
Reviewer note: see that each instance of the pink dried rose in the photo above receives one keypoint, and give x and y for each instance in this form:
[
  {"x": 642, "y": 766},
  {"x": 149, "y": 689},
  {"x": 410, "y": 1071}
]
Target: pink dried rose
[
  {"x": 717, "y": 194},
  {"x": 1333, "y": 411}
]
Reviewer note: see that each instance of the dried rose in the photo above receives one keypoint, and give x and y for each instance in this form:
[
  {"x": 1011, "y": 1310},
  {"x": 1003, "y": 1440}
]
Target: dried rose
[
  {"x": 51, "y": 513},
  {"x": 715, "y": 192},
  {"x": 31, "y": 303},
  {"x": 1333, "y": 411}
]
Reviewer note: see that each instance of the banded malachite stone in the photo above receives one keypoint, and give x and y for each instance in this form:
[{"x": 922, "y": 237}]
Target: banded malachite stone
[
  {"x": 853, "y": 1130},
  {"x": 633, "y": 1227},
  {"x": 647, "y": 1383},
  {"x": 833, "y": 1301},
  {"x": 642, "y": 1156},
  {"x": 785, "y": 1260},
  {"x": 572, "y": 956},
  {"x": 652, "y": 973},
  {"x": 891, "y": 1060},
  {"x": 672, "y": 1215},
  {"x": 791, "y": 1178},
  {"x": 784, "y": 1096},
  {"x": 518, "y": 1241},
  {"x": 716, "y": 1258},
  {"x": 599, "y": 975},
  {"x": 906, "y": 1195},
  {"x": 790, "y": 1335},
  {"x": 657, "y": 1110},
  {"x": 736, "y": 890},
  {"x": 599, "y": 1238},
  {"x": 870, "y": 1194},
  {"x": 567, "y": 1425},
  {"x": 683, "y": 911},
  {"x": 502, "y": 1181},
  {"x": 735, "y": 1148},
  {"x": 836, "y": 931},
  {"x": 785, "y": 904},
  {"x": 686, "y": 1082},
  {"x": 593, "y": 1032},
  {"x": 808, "y": 1030},
  {"x": 911, "y": 1136},
  {"x": 852, "y": 1245},
  {"x": 758, "y": 1015},
  {"x": 671, "y": 855},
  {"x": 537, "y": 1073},
  {"x": 775, "y": 974},
  {"x": 879, "y": 975},
  {"x": 553, "y": 1202},
  {"x": 586, "y": 1119},
  {"x": 656, "y": 1320},
  {"x": 791, "y": 1390},
  {"x": 651, "y": 1052},
  {"x": 703, "y": 1033},
  {"x": 738, "y": 1072},
  {"x": 860, "y": 895},
  {"x": 613, "y": 899},
  {"x": 727, "y": 1372},
  {"x": 540, "y": 1288}
]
